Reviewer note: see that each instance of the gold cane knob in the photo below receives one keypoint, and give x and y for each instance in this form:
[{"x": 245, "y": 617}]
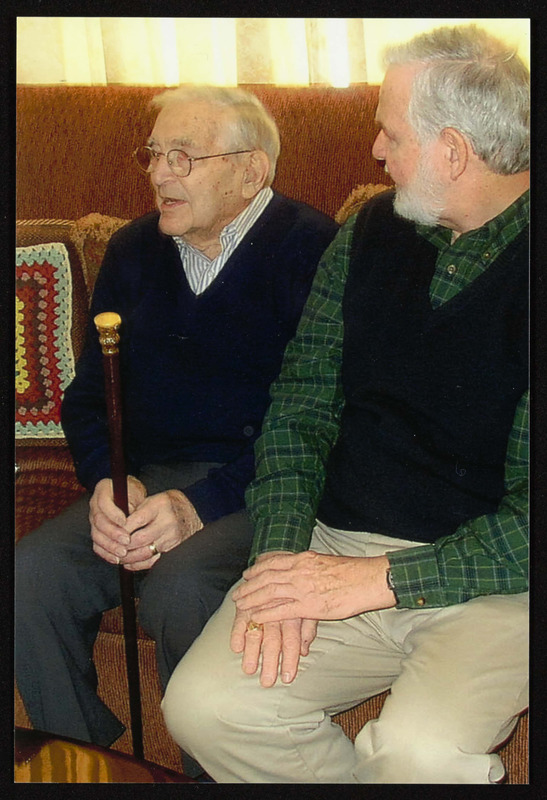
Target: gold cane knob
[{"x": 107, "y": 325}]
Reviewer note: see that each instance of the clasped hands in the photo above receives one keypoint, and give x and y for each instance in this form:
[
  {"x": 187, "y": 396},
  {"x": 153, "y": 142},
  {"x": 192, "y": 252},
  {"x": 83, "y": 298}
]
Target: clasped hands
[
  {"x": 289, "y": 593},
  {"x": 161, "y": 522}
]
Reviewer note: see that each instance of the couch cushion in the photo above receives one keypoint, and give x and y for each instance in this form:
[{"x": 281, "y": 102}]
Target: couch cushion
[
  {"x": 44, "y": 356},
  {"x": 45, "y": 485},
  {"x": 91, "y": 235},
  {"x": 357, "y": 198}
]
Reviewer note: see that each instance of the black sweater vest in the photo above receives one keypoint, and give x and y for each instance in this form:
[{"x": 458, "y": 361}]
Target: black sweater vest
[{"x": 430, "y": 394}]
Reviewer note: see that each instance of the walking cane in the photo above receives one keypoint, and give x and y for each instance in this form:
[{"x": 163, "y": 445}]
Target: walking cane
[{"x": 107, "y": 325}]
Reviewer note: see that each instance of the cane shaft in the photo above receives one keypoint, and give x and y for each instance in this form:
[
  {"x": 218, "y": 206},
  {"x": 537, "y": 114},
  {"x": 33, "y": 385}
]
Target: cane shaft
[
  {"x": 107, "y": 325},
  {"x": 132, "y": 659},
  {"x": 117, "y": 460}
]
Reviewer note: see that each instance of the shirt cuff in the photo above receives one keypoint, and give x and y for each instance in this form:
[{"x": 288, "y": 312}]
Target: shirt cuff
[
  {"x": 416, "y": 578},
  {"x": 286, "y": 533}
]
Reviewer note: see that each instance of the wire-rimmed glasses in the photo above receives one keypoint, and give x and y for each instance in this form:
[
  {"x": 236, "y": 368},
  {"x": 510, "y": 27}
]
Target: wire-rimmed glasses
[{"x": 180, "y": 163}]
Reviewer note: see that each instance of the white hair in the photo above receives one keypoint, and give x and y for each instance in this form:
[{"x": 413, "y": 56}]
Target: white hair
[
  {"x": 252, "y": 126},
  {"x": 473, "y": 82}
]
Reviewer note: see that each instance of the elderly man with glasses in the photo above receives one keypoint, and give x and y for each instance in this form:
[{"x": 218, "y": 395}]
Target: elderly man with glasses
[{"x": 210, "y": 288}]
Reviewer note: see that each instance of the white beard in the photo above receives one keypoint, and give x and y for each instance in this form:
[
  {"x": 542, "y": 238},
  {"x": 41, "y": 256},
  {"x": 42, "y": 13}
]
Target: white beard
[{"x": 422, "y": 200}]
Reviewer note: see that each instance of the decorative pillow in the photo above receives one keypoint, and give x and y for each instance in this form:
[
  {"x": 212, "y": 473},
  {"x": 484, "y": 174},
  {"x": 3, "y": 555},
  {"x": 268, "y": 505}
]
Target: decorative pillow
[
  {"x": 357, "y": 198},
  {"x": 44, "y": 359},
  {"x": 91, "y": 235}
]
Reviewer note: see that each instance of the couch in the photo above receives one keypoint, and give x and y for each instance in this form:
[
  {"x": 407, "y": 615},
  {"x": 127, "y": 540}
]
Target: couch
[{"x": 75, "y": 186}]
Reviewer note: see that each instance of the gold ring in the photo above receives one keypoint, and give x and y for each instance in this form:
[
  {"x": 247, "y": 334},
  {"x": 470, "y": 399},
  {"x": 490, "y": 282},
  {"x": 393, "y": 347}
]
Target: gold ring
[
  {"x": 153, "y": 548},
  {"x": 255, "y": 626}
]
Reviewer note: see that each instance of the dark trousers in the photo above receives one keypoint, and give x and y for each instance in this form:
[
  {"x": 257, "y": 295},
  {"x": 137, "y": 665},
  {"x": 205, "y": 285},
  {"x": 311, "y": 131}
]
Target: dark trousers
[{"x": 63, "y": 587}]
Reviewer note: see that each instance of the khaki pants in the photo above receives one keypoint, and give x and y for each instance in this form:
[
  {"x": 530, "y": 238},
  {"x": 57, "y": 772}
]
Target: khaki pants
[{"x": 458, "y": 678}]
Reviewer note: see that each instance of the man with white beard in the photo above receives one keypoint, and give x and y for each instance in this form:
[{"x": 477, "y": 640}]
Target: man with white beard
[
  {"x": 421, "y": 200},
  {"x": 390, "y": 503}
]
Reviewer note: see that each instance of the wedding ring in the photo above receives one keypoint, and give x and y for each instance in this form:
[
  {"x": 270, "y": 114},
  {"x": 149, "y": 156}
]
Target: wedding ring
[
  {"x": 154, "y": 550},
  {"x": 255, "y": 626},
  {"x": 118, "y": 561}
]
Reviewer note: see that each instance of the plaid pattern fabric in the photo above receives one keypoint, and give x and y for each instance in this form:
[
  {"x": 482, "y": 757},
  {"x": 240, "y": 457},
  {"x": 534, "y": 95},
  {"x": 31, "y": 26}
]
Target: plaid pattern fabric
[
  {"x": 484, "y": 556},
  {"x": 460, "y": 262}
]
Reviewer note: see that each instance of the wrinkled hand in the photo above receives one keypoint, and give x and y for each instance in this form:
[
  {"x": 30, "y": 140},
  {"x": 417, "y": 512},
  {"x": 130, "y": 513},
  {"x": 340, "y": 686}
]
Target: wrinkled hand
[
  {"x": 108, "y": 532},
  {"x": 280, "y": 643},
  {"x": 164, "y": 520},
  {"x": 313, "y": 585}
]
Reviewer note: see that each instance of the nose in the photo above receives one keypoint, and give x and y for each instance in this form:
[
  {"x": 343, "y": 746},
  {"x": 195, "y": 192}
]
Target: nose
[
  {"x": 161, "y": 171},
  {"x": 378, "y": 148}
]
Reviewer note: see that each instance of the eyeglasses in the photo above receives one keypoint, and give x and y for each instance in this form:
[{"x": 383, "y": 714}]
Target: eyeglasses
[{"x": 180, "y": 163}]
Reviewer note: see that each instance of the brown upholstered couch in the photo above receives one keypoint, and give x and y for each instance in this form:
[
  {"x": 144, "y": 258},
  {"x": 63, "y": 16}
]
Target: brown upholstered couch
[{"x": 75, "y": 186}]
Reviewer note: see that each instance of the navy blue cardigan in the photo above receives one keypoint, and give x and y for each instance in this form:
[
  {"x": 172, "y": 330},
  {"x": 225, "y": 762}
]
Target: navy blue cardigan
[{"x": 195, "y": 370}]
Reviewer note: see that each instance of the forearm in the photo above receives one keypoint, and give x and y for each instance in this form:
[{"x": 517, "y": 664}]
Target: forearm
[
  {"x": 315, "y": 586},
  {"x": 284, "y": 496},
  {"x": 303, "y": 420},
  {"x": 291, "y": 461}
]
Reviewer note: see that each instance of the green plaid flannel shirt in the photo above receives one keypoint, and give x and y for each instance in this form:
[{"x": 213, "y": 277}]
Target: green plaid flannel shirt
[{"x": 486, "y": 555}]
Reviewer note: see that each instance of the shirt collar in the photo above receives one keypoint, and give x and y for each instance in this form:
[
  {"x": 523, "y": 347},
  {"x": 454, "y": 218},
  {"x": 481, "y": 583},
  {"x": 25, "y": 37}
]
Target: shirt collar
[
  {"x": 517, "y": 214},
  {"x": 239, "y": 226}
]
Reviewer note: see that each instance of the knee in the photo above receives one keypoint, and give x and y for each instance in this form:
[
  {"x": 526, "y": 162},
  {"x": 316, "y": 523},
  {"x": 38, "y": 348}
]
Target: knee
[
  {"x": 205, "y": 688},
  {"x": 187, "y": 708}
]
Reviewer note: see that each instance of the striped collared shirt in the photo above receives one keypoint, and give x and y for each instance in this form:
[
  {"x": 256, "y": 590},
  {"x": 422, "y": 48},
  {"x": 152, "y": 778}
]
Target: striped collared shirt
[{"x": 201, "y": 271}]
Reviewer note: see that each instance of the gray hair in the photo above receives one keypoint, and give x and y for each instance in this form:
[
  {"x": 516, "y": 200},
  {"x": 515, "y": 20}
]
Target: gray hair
[
  {"x": 473, "y": 82},
  {"x": 252, "y": 126}
]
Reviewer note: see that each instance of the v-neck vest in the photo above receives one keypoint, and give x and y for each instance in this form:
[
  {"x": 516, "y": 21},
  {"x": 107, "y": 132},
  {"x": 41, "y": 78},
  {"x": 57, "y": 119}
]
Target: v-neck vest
[{"x": 430, "y": 394}]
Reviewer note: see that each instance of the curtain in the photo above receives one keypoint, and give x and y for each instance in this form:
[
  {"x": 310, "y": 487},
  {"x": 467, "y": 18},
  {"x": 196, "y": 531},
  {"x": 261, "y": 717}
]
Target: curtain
[{"x": 223, "y": 51}]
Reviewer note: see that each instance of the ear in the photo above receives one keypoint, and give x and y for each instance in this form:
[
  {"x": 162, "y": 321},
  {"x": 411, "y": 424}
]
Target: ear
[
  {"x": 255, "y": 174},
  {"x": 458, "y": 151}
]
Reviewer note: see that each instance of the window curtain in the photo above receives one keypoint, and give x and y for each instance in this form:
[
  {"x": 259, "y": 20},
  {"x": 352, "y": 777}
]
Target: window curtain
[{"x": 223, "y": 51}]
